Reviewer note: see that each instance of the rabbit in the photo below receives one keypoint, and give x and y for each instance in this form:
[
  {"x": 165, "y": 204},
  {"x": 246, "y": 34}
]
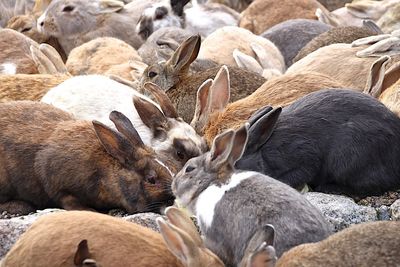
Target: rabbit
[
  {"x": 33, "y": 86},
  {"x": 385, "y": 84},
  {"x": 50, "y": 159},
  {"x": 10, "y": 8},
  {"x": 261, "y": 15},
  {"x": 220, "y": 45},
  {"x": 231, "y": 205},
  {"x": 365, "y": 244},
  {"x": 180, "y": 86},
  {"x": 74, "y": 22},
  {"x": 108, "y": 56},
  {"x": 238, "y": 5},
  {"x": 333, "y": 36},
  {"x": 292, "y": 35},
  {"x": 334, "y": 4},
  {"x": 162, "y": 44},
  {"x": 95, "y": 96},
  {"x": 341, "y": 141},
  {"x": 106, "y": 241},
  {"x": 389, "y": 21},
  {"x": 213, "y": 114}
]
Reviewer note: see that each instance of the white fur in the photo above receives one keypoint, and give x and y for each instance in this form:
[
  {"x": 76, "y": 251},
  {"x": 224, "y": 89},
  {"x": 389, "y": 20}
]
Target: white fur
[
  {"x": 8, "y": 68},
  {"x": 94, "y": 97},
  {"x": 210, "y": 197}
]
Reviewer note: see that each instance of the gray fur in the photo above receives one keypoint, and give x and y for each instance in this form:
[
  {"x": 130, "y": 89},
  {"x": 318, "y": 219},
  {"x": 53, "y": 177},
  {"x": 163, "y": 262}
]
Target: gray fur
[
  {"x": 334, "y": 4},
  {"x": 338, "y": 141},
  {"x": 292, "y": 35},
  {"x": 247, "y": 207}
]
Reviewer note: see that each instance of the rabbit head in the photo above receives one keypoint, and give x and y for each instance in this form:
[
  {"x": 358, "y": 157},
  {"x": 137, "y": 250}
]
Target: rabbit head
[
  {"x": 184, "y": 241},
  {"x": 175, "y": 140},
  {"x": 73, "y": 17},
  {"x": 26, "y": 24},
  {"x": 213, "y": 167},
  {"x": 168, "y": 74}
]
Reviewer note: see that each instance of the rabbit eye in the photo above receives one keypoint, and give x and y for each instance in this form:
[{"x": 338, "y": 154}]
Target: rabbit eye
[
  {"x": 180, "y": 154},
  {"x": 189, "y": 168},
  {"x": 26, "y": 29},
  {"x": 68, "y": 9},
  {"x": 152, "y": 74}
]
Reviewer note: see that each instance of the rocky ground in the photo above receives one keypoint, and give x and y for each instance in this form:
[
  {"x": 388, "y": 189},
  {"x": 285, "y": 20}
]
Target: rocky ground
[{"x": 340, "y": 211}]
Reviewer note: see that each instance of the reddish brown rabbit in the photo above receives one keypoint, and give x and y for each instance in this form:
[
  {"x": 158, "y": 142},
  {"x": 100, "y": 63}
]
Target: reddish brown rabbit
[{"x": 49, "y": 159}]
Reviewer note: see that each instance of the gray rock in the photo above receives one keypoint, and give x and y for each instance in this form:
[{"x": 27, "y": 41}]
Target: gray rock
[
  {"x": 145, "y": 219},
  {"x": 341, "y": 211},
  {"x": 383, "y": 213},
  {"x": 395, "y": 210}
]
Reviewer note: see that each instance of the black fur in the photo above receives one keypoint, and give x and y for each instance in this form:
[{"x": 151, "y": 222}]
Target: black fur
[{"x": 333, "y": 140}]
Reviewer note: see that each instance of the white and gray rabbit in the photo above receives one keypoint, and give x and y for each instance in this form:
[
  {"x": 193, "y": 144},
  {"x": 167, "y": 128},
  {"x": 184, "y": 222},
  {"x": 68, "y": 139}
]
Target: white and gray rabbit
[{"x": 232, "y": 205}]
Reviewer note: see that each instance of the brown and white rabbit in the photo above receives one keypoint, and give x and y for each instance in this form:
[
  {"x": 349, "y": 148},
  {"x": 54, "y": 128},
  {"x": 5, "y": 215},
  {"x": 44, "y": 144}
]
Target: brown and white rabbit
[
  {"x": 50, "y": 159},
  {"x": 232, "y": 205},
  {"x": 106, "y": 241},
  {"x": 181, "y": 86},
  {"x": 366, "y": 244}
]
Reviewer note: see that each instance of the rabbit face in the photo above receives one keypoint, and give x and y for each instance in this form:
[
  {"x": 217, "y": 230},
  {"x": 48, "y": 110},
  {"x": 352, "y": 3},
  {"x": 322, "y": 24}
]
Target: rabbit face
[
  {"x": 26, "y": 24},
  {"x": 160, "y": 74},
  {"x": 69, "y": 17}
]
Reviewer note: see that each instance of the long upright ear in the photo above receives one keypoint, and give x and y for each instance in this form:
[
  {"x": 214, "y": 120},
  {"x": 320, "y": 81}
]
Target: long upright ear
[
  {"x": 220, "y": 90},
  {"x": 221, "y": 148},
  {"x": 262, "y": 130},
  {"x": 238, "y": 144},
  {"x": 185, "y": 54},
  {"x": 82, "y": 253},
  {"x": 115, "y": 143},
  {"x": 125, "y": 126},
  {"x": 179, "y": 243},
  {"x": 163, "y": 100},
  {"x": 182, "y": 221},
  {"x": 151, "y": 116},
  {"x": 260, "y": 250},
  {"x": 201, "y": 112},
  {"x": 376, "y": 76}
]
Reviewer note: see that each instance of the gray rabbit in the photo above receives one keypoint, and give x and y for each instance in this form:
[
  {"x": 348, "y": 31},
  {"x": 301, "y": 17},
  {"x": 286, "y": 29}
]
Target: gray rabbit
[{"x": 232, "y": 205}]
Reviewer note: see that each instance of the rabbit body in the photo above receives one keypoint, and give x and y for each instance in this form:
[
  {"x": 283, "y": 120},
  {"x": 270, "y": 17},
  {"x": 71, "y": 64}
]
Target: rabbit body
[
  {"x": 333, "y": 140},
  {"x": 49, "y": 159}
]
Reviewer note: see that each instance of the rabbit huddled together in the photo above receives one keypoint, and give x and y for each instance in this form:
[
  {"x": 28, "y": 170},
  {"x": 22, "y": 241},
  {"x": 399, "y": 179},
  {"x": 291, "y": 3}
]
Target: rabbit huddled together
[{"x": 227, "y": 110}]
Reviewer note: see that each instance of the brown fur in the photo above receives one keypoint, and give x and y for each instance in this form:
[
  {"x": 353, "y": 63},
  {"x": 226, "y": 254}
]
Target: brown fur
[
  {"x": 366, "y": 244},
  {"x": 280, "y": 91},
  {"x": 112, "y": 242},
  {"x": 333, "y": 36},
  {"x": 14, "y": 48},
  {"x": 183, "y": 95},
  {"x": 263, "y": 14},
  {"x": 390, "y": 20},
  {"x": 49, "y": 159},
  {"x": 391, "y": 98},
  {"x": 339, "y": 61},
  {"x": 28, "y": 87},
  {"x": 106, "y": 55}
]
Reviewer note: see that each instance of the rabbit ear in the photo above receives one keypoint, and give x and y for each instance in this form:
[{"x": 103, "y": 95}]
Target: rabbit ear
[
  {"x": 262, "y": 129},
  {"x": 370, "y": 40},
  {"x": 178, "y": 5},
  {"x": 162, "y": 99},
  {"x": 52, "y": 54},
  {"x": 179, "y": 243},
  {"x": 182, "y": 221},
  {"x": 114, "y": 142},
  {"x": 221, "y": 148},
  {"x": 125, "y": 126},
  {"x": 262, "y": 56},
  {"x": 260, "y": 250},
  {"x": 220, "y": 90},
  {"x": 171, "y": 43},
  {"x": 247, "y": 62},
  {"x": 47, "y": 59},
  {"x": 258, "y": 114},
  {"x": 238, "y": 144},
  {"x": 185, "y": 54},
  {"x": 151, "y": 116},
  {"x": 376, "y": 76},
  {"x": 371, "y": 25},
  {"x": 363, "y": 9},
  {"x": 392, "y": 75},
  {"x": 201, "y": 111},
  {"x": 389, "y": 46},
  {"x": 82, "y": 253},
  {"x": 110, "y": 6},
  {"x": 327, "y": 17}
]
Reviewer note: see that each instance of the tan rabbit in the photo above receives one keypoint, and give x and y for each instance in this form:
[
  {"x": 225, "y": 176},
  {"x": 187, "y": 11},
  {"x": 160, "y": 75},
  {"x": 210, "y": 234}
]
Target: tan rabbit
[
  {"x": 385, "y": 84},
  {"x": 35, "y": 86},
  {"x": 181, "y": 86},
  {"x": 50, "y": 159},
  {"x": 366, "y": 244},
  {"x": 92, "y": 239},
  {"x": 214, "y": 115}
]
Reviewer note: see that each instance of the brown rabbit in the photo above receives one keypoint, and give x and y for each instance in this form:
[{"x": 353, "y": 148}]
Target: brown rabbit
[
  {"x": 214, "y": 115},
  {"x": 366, "y": 244},
  {"x": 49, "y": 159},
  {"x": 181, "y": 87},
  {"x": 34, "y": 86}
]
